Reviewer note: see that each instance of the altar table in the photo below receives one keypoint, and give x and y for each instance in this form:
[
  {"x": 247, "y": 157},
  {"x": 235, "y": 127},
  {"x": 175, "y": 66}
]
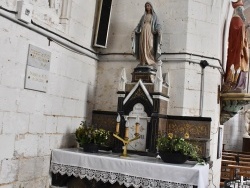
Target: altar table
[{"x": 136, "y": 171}]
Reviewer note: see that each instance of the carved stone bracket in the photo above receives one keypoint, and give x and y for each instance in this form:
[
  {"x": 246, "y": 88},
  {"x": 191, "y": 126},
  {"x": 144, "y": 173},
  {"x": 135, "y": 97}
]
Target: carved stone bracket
[{"x": 231, "y": 104}]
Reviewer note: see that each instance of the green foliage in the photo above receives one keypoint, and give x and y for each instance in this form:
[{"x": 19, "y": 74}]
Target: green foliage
[
  {"x": 173, "y": 144},
  {"x": 88, "y": 134}
]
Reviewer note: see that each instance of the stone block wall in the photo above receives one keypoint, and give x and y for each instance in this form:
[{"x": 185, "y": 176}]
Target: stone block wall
[
  {"x": 32, "y": 123},
  {"x": 234, "y": 129}
]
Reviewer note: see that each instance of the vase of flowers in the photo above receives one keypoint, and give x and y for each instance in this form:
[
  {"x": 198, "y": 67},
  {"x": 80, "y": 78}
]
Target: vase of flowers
[
  {"x": 173, "y": 149},
  {"x": 91, "y": 138}
]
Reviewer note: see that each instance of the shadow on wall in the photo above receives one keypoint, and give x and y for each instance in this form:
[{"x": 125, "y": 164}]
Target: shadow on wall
[{"x": 68, "y": 140}]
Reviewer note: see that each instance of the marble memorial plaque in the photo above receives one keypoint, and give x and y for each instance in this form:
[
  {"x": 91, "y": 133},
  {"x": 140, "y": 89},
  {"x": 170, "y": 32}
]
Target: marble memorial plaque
[
  {"x": 36, "y": 79},
  {"x": 39, "y": 58}
]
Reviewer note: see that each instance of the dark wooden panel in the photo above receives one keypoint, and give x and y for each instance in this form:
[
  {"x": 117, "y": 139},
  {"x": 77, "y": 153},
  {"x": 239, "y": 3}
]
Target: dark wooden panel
[{"x": 246, "y": 145}]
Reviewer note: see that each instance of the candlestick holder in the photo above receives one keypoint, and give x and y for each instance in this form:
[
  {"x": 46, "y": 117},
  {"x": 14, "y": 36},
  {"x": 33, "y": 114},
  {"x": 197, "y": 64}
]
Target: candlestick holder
[{"x": 126, "y": 141}]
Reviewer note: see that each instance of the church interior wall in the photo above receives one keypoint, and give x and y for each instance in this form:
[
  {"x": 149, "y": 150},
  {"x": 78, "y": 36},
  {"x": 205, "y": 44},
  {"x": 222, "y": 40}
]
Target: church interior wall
[
  {"x": 32, "y": 123},
  {"x": 78, "y": 84},
  {"x": 107, "y": 84},
  {"x": 203, "y": 25}
]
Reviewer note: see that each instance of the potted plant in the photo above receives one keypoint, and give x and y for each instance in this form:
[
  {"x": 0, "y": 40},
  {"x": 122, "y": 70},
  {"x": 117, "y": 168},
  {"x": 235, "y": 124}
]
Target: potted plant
[
  {"x": 91, "y": 138},
  {"x": 173, "y": 149}
]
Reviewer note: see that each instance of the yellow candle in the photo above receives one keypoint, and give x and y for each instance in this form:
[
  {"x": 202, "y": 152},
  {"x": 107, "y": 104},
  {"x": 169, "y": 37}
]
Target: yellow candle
[
  {"x": 137, "y": 126},
  {"x": 126, "y": 132},
  {"x": 117, "y": 127}
]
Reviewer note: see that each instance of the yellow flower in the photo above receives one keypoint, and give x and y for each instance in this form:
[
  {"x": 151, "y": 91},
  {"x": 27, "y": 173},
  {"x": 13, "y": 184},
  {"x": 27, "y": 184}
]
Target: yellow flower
[
  {"x": 186, "y": 136},
  {"x": 170, "y": 135}
]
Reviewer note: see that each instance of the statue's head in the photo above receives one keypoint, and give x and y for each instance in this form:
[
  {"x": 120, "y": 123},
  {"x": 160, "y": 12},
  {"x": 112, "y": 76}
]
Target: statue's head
[{"x": 148, "y": 7}]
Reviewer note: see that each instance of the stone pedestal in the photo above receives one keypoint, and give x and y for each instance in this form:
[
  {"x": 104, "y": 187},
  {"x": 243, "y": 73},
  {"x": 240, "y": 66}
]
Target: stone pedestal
[{"x": 145, "y": 73}]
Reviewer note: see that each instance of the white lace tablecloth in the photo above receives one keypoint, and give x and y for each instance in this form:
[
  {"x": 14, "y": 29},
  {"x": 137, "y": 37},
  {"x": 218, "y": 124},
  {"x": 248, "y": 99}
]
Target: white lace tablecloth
[{"x": 136, "y": 171}]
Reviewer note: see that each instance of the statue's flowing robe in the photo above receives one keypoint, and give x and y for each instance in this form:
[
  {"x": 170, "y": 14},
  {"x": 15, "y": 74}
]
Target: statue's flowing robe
[
  {"x": 237, "y": 55},
  {"x": 147, "y": 39}
]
